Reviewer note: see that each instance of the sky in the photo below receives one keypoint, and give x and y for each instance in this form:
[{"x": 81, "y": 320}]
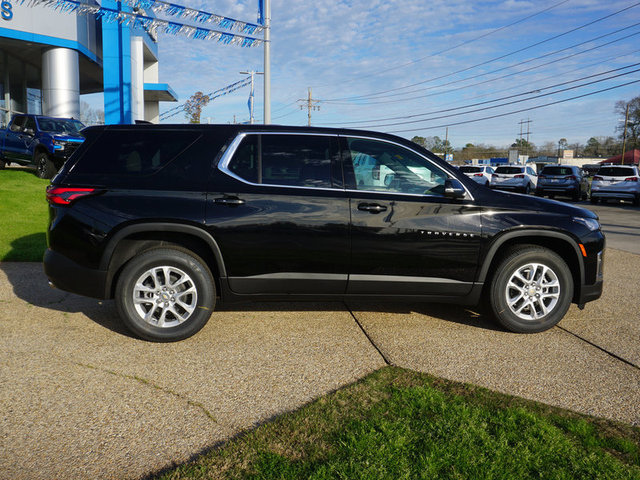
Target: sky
[{"x": 379, "y": 64}]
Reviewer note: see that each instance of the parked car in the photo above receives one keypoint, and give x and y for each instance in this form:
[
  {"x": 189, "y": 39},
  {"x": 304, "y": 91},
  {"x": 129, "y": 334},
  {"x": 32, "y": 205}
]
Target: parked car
[
  {"x": 480, "y": 174},
  {"x": 518, "y": 178},
  {"x": 168, "y": 218},
  {"x": 562, "y": 180},
  {"x": 44, "y": 142},
  {"x": 620, "y": 182}
]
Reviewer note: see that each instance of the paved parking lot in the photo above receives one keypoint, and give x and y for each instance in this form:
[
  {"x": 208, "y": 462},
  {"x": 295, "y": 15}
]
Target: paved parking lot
[{"x": 79, "y": 398}]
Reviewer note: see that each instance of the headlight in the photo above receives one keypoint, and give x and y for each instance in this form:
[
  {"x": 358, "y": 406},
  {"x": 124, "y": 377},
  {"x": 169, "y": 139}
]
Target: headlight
[{"x": 591, "y": 223}]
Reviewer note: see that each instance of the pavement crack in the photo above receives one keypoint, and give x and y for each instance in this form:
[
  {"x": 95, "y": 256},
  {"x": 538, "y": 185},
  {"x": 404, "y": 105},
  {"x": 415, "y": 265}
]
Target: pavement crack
[
  {"x": 604, "y": 350},
  {"x": 373, "y": 344},
  {"x": 149, "y": 383}
]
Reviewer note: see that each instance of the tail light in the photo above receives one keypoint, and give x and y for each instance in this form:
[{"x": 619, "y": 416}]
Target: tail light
[
  {"x": 519, "y": 176},
  {"x": 542, "y": 176},
  {"x": 477, "y": 175},
  {"x": 597, "y": 178},
  {"x": 571, "y": 177},
  {"x": 65, "y": 196},
  {"x": 631, "y": 179}
]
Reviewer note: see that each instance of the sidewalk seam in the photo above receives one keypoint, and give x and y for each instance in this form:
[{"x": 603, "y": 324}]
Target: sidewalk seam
[
  {"x": 146, "y": 382},
  {"x": 386, "y": 360},
  {"x": 604, "y": 350}
]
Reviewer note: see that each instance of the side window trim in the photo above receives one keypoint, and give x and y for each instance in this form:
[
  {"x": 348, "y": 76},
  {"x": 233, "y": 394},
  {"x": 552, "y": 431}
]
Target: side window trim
[
  {"x": 228, "y": 155},
  {"x": 346, "y": 152}
]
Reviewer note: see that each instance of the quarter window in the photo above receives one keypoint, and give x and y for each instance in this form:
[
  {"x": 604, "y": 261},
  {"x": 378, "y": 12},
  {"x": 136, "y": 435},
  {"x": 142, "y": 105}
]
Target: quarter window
[
  {"x": 293, "y": 160},
  {"x": 384, "y": 167}
]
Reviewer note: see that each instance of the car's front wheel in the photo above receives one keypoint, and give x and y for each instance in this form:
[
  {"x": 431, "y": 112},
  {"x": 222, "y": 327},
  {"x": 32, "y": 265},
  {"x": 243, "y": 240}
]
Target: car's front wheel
[
  {"x": 44, "y": 165},
  {"x": 531, "y": 290},
  {"x": 165, "y": 294}
]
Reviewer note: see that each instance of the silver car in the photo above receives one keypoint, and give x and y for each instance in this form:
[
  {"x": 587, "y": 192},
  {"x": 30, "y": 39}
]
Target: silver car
[
  {"x": 618, "y": 182},
  {"x": 514, "y": 177}
]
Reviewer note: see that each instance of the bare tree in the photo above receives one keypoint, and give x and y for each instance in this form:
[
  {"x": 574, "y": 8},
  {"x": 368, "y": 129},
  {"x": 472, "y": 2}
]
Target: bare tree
[{"x": 193, "y": 107}]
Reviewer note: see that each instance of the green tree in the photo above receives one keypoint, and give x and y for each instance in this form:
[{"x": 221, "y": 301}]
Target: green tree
[
  {"x": 593, "y": 148},
  {"x": 524, "y": 147},
  {"x": 420, "y": 141}
]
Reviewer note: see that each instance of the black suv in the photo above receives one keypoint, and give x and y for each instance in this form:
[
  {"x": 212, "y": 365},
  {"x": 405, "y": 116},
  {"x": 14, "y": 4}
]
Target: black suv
[{"x": 167, "y": 218}]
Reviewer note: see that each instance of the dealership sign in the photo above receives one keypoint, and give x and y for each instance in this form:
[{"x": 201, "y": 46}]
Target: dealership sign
[{"x": 6, "y": 10}]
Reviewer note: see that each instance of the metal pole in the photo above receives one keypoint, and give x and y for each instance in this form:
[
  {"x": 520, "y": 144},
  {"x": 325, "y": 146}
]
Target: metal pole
[
  {"x": 267, "y": 61},
  {"x": 252, "y": 73},
  {"x": 624, "y": 135}
]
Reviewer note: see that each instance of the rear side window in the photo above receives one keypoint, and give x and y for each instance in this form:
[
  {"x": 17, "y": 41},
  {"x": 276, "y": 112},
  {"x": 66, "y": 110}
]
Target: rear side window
[
  {"x": 158, "y": 159},
  {"x": 509, "y": 170},
  {"x": 470, "y": 169},
  {"x": 557, "y": 171},
  {"x": 293, "y": 160},
  {"x": 616, "y": 172}
]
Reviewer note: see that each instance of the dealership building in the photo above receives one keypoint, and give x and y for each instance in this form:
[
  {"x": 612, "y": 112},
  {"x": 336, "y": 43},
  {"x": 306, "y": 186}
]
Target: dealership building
[{"x": 49, "y": 58}]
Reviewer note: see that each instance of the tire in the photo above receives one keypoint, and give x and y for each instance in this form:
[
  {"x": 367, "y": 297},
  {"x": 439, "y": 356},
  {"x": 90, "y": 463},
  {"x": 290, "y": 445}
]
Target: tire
[
  {"x": 44, "y": 165},
  {"x": 531, "y": 290},
  {"x": 576, "y": 196},
  {"x": 527, "y": 189},
  {"x": 636, "y": 201},
  {"x": 3, "y": 164},
  {"x": 173, "y": 313},
  {"x": 593, "y": 199}
]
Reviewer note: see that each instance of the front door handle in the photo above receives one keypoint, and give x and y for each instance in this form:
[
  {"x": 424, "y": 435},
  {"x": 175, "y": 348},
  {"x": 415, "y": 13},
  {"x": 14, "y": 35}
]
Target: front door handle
[
  {"x": 372, "y": 207},
  {"x": 230, "y": 201}
]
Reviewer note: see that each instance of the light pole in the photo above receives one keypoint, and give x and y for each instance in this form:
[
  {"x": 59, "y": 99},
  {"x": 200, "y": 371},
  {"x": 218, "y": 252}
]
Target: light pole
[
  {"x": 267, "y": 62},
  {"x": 252, "y": 73}
]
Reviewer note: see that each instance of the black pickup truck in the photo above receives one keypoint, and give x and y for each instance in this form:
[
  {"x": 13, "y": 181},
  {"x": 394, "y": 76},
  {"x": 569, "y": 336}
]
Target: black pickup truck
[{"x": 44, "y": 142}]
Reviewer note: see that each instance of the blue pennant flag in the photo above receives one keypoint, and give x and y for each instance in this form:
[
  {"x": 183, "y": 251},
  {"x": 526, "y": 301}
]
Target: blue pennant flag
[{"x": 261, "y": 12}]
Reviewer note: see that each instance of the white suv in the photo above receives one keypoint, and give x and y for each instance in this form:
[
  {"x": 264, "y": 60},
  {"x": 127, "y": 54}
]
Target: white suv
[
  {"x": 514, "y": 177},
  {"x": 616, "y": 181},
  {"x": 480, "y": 173}
]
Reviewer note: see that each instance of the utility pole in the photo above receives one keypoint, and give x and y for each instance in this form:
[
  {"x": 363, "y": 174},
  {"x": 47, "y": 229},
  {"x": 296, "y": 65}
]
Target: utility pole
[
  {"x": 252, "y": 73},
  {"x": 521, "y": 123},
  {"x": 624, "y": 135},
  {"x": 267, "y": 62},
  {"x": 311, "y": 104}
]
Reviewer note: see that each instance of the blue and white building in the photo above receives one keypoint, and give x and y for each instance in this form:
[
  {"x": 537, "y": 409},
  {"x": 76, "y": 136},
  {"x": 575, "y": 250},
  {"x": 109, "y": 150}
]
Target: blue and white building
[{"x": 49, "y": 58}]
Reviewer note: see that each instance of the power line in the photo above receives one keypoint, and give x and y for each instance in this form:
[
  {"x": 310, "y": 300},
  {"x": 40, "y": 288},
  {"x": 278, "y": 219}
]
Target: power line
[
  {"x": 467, "y": 42},
  {"x": 555, "y": 37},
  {"x": 521, "y": 110},
  {"x": 503, "y": 104}
]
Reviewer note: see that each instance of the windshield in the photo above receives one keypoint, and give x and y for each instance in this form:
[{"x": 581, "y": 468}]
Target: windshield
[
  {"x": 616, "y": 172},
  {"x": 557, "y": 171},
  {"x": 470, "y": 169},
  {"x": 509, "y": 170},
  {"x": 60, "y": 125}
]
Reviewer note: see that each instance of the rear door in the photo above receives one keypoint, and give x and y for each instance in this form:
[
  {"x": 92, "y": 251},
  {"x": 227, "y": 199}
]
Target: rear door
[
  {"x": 280, "y": 215},
  {"x": 407, "y": 238}
]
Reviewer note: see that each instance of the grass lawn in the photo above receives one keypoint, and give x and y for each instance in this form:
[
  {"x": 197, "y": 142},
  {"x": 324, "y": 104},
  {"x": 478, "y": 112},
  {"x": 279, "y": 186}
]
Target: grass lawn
[
  {"x": 23, "y": 215},
  {"x": 398, "y": 424}
]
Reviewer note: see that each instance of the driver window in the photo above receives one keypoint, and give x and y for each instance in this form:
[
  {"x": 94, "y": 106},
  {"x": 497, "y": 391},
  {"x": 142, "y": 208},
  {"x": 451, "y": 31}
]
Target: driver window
[{"x": 385, "y": 167}]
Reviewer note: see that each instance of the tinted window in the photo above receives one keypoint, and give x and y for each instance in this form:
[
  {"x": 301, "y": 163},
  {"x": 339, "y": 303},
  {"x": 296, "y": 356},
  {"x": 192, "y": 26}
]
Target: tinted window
[
  {"x": 17, "y": 123},
  {"x": 159, "y": 159},
  {"x": 30, "y": 123},
  {"x": 509, "y": 170},
  {"x": 616, "y": 172},
  {"x": 470, "y": 169},
  {"x": 293, "y": 160},
  {"x": 557, "y": 171},
  {"x": 385, "y": 167},
  {"x": 60, "y": 125}
]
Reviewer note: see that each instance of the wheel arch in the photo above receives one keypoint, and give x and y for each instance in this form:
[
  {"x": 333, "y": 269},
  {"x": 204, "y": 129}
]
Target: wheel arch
[
  {"x": 558, "y": 242},
  {"x": 135, "y": 239}
]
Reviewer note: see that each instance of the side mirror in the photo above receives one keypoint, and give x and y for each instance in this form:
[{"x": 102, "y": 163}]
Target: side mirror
[{"x": 454, "y": 189}]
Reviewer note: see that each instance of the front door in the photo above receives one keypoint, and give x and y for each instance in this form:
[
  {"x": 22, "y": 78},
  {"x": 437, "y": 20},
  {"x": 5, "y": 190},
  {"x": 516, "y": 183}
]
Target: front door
[
  {"x": 407, "y": 237},
  {"x": 280, "y": 215}
]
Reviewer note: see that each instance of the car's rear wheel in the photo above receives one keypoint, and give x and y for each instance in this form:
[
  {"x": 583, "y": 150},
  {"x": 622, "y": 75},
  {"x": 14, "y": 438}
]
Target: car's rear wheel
[
  {"x": 636, "y": 200},
  {"x": 593, "y": 199},
  {"x": 165, "y": 294},
  {"x": 531, "y": 290}
]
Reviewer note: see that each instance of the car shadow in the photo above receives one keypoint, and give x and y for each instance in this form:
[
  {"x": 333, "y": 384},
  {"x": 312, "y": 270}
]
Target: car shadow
[{"x": 30, "y": 285}]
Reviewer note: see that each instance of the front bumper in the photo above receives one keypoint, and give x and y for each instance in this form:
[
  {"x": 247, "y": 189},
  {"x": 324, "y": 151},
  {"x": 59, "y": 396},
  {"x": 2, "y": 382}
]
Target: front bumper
[{"x": 67, "y": 275}]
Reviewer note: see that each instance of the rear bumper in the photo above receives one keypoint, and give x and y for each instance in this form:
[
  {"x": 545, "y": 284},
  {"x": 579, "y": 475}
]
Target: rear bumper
[
  {"x": 557, "y": 189},
  {"x": 614, "y": 194},
  {"x": 67, "y": 275}
]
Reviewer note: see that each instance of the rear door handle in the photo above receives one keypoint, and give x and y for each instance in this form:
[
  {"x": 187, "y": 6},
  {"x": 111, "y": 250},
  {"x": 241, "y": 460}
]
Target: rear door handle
[
  {"x": 372, "y": 207},
  {"x": 230, "y": 201}
]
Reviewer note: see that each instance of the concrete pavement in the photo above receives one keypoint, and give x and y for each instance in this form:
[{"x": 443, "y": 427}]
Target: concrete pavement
[{"x": 80, "y": 398}]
